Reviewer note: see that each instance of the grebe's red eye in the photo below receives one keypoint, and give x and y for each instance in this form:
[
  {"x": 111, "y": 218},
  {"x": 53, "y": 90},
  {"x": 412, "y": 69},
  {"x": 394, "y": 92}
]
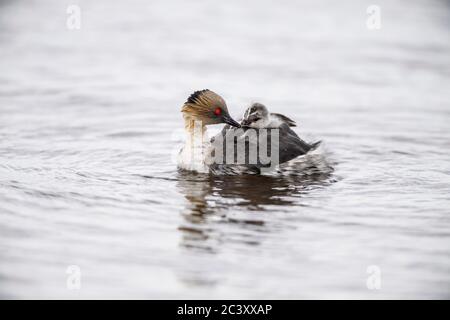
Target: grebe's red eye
[{"x": 218, "y": 111}]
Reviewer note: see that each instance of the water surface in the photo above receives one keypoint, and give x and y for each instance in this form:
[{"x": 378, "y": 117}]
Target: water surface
[{"x": 90, "y": 122}]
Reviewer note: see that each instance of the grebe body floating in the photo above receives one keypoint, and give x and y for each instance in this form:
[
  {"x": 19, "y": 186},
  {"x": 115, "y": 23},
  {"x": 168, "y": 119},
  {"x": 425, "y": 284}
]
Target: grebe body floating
[{"x": 268, "y": 135}]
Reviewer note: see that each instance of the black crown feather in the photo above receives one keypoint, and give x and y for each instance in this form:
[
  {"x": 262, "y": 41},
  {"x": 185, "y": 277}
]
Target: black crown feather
[{"x": 193, "y": 97}]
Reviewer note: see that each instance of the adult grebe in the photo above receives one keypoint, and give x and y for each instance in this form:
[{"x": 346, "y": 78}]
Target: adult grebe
[
  {"x": 236, "y": 150},
  {"x": 202, "y": 108}
]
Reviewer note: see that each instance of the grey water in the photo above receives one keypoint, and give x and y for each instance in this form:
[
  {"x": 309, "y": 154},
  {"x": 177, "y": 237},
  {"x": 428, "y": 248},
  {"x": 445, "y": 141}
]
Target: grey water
[{"x": 90, "y": 122}]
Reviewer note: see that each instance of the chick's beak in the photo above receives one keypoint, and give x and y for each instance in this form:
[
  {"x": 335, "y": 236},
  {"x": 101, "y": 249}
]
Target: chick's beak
[
  {"x": 228, "y": 120},
  {"x": 250, "y": 119}
]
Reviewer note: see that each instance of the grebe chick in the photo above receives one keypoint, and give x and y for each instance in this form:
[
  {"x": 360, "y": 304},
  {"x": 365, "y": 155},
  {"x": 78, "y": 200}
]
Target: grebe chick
[{"x": 257, "y": 116}]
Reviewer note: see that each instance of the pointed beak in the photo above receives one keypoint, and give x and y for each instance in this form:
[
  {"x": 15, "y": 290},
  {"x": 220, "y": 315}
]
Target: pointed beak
[
  {"x": 250, "y": 119},
  {"x": 228, "y": 120}
]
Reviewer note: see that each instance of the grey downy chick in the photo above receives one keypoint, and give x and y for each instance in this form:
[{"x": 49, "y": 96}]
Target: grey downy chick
[{"x": 257, "y": 116}]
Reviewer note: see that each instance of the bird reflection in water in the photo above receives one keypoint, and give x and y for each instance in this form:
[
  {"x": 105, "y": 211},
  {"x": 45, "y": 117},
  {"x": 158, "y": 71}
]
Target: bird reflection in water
[{"x": 216, "y": 204}]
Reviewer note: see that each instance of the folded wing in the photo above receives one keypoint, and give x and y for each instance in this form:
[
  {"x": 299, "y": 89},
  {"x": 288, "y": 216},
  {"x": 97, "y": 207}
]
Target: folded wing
[
  {"x": 289, "y": 146},
  {"x": 283, "y": 118}
]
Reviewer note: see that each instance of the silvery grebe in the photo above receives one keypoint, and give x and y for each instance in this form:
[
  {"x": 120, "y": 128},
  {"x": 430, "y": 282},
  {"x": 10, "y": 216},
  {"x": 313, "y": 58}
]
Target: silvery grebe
[
  {"x": 290, "y": 146},
  {"x": 202, "y": 108},
  {"x": 206, "y": 107},
  {"x": 257, "y": 116}
]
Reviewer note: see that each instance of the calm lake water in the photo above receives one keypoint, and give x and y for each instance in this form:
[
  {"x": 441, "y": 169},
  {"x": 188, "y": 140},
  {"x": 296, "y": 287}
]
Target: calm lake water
[{"x": 90, "y": 122}]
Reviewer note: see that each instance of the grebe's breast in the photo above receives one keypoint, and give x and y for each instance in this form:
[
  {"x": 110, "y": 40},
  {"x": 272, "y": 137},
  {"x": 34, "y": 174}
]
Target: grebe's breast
[
  {"x": 193, "y": 159},
  {"x": 193, "y": 155}
]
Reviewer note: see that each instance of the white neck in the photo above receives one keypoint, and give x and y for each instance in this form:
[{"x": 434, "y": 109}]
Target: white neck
[{"x": 192, "y": 155}]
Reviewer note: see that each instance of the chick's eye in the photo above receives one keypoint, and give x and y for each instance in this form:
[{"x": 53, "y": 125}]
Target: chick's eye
[{"x": 218, "y": 111}]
